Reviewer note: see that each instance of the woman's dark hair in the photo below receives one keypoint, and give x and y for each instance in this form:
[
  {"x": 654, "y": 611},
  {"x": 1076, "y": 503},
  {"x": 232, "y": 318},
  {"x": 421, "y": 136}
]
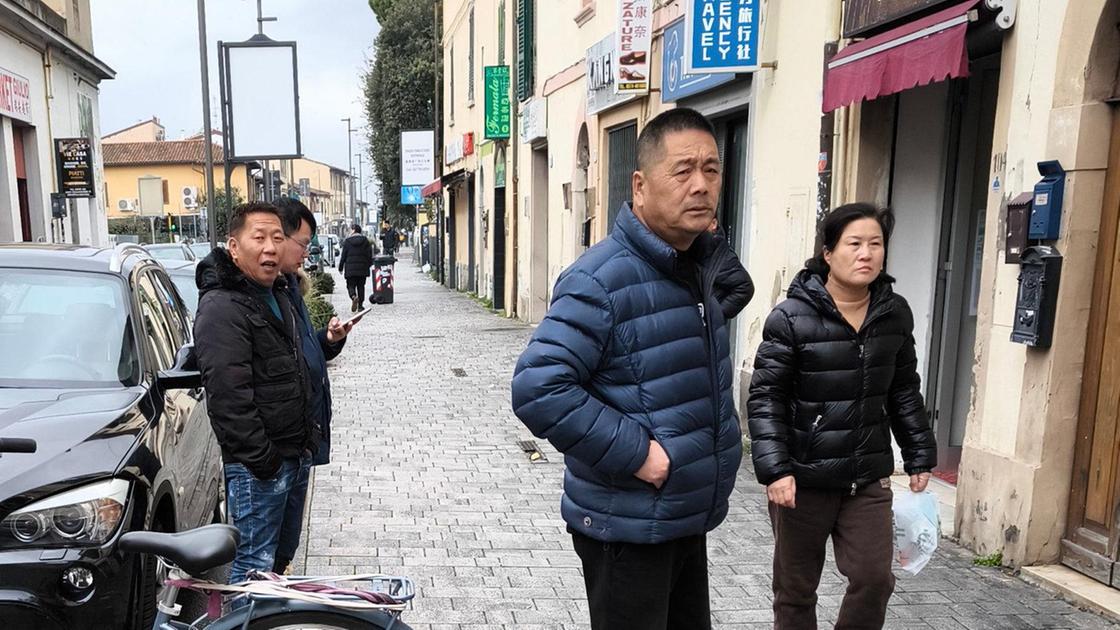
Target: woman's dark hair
[{"x": 835, "y": 222}]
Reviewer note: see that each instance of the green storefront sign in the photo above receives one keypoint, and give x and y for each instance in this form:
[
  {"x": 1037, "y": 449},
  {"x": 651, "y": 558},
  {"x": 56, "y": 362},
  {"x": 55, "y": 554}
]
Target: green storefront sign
[{"x": 497, "y": 102}]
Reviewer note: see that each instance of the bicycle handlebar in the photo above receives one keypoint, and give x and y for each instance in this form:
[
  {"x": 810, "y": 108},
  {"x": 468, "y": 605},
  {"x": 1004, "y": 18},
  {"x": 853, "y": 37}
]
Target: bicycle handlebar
[{"x": 17, "y": 445}]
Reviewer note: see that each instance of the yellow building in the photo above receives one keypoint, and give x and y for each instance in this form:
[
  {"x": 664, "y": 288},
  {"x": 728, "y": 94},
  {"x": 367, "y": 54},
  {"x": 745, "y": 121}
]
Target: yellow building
[
  {"x": 144, "y": 131},
  {"x": 327, "y": 189},
  {"x": 179, "y": 165}
]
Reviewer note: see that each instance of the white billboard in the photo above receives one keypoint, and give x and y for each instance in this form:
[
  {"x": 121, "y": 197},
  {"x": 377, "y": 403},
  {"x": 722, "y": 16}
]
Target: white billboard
[
  {"x": 418, "y": 157},
  {"x": 264, "y": 100}
]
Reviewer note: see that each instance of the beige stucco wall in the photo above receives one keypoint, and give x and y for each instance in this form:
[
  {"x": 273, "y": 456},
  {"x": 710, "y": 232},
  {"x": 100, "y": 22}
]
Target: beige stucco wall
[
  {"x": 784, "y": 153},
  {"x": 1018, "y": 451},
  {"x": 150, "y": 131}
]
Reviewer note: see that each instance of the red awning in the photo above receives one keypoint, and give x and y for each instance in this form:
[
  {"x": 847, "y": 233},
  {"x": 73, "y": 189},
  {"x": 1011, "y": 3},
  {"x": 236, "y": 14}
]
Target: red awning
[
  {"x": 431, "y": 189},
  {"x": 924, "y": 51}
]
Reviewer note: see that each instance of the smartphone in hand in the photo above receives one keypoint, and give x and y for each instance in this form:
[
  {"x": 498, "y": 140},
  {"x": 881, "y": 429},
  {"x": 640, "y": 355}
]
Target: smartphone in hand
[{"x": 356, "y": 317}]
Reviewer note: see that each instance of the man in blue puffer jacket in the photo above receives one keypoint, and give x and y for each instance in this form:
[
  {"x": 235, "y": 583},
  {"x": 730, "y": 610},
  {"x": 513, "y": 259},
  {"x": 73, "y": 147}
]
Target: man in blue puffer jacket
[{"x": 629, "y": 375}]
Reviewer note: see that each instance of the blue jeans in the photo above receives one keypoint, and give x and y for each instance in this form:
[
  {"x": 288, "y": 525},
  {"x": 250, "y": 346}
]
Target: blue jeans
[{"x": 267, "y": 513}]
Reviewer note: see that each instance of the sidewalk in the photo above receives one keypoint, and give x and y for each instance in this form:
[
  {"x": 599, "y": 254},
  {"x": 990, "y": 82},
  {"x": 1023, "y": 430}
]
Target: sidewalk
[{"x": 428, "y": 480}]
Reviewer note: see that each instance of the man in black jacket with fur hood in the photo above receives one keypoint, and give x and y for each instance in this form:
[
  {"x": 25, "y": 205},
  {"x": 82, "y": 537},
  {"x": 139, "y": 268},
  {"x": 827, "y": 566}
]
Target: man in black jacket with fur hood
[{"x": 249, "y": 351}]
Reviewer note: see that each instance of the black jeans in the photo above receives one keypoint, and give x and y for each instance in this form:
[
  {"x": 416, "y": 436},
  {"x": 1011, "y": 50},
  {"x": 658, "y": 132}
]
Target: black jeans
[
  {"x": 356, "y": 288},
  {"x": 646, "y": 587}
]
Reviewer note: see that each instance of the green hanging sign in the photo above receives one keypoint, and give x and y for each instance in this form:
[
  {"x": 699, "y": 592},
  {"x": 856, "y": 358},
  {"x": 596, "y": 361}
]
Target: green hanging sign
[{"x": 497, "y": 102}]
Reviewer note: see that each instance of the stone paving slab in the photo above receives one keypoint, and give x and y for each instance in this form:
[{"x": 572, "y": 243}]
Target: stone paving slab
[{"x": 428, "y": 480}]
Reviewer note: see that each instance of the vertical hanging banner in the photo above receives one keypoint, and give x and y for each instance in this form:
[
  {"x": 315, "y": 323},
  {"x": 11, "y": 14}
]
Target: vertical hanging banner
[
  {"x": 722, "y": 36},
  {"x": 632, "y": 46},
  {"x": 497, "y": 102}
]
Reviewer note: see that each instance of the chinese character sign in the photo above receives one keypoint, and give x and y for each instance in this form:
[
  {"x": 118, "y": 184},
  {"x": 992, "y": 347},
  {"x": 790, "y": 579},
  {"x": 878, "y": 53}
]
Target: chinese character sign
[
  {"x": 632, "y": 46},
  {"x": 497, "y": 103},
  {"x": 723, "y": 35},
  {"x": 15, "y": 96}
]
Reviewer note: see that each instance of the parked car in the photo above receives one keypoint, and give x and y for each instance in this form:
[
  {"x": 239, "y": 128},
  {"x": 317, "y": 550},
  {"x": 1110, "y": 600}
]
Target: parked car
[
  {"x": 181, "y": 273},
  {"x": 200, "y": 249},
  {"x": 97, "y": 369},
  {"x": 171, "y": 251}
]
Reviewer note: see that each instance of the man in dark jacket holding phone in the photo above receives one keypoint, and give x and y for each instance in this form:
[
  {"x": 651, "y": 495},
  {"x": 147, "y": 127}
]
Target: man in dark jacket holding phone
[
  {"x": 354, "y": 264},
  {"x": 249, "y": 352},
  {"x": 319, "y": 346}
]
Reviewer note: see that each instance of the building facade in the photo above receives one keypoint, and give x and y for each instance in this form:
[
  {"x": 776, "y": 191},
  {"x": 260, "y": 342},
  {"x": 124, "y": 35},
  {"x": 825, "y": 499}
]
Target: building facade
[
  {"x": 952, "y": 113},
  {"x": 475, "y": 216},
  {"x": 49, "y": 81},
  {"x": 167, "y": 178}
]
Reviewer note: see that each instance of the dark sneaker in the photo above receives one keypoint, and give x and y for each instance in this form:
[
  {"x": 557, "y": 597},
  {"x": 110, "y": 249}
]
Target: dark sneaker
[{"x": 354, "y": 304}]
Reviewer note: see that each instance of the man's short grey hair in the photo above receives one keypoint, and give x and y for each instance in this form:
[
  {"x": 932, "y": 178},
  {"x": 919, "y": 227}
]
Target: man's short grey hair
[{"x": 651, "y": 142}]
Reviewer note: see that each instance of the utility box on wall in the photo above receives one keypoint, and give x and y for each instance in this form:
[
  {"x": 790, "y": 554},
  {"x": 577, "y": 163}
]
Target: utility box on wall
[
  {"x": 1037, "y": 300},
  {"x": 1046, "y": 208},
  {"x": 1018, "y": 221}
]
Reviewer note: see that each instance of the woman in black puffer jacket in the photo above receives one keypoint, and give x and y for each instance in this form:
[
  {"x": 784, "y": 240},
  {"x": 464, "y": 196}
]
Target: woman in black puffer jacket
[{"x": 835, "y": 375}]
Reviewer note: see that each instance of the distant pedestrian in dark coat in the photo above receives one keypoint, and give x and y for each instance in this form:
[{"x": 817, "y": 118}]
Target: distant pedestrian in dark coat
[
  {"x": 835, "y": 375},
  {"x": 355, "y": 263}
]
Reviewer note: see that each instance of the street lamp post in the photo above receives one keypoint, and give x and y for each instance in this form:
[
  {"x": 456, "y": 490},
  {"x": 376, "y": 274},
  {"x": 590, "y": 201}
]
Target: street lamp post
[
  {"x": 360, "y": 178},
  {"x": 350, "y": 171},
  {"x": 211, "y": 214}
]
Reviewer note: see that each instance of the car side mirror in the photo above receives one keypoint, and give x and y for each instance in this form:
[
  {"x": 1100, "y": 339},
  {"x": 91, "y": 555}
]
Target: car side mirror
[{"x": 184, "y": 374}]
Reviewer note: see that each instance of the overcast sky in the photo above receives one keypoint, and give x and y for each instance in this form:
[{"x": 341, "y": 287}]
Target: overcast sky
[{"x": 153, "y": 46}]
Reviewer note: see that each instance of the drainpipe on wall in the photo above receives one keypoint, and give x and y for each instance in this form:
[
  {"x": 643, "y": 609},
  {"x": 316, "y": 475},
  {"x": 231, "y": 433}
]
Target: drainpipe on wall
[
  {"x": 512, "y": 178},
  {"x": 58, "y": 226}
]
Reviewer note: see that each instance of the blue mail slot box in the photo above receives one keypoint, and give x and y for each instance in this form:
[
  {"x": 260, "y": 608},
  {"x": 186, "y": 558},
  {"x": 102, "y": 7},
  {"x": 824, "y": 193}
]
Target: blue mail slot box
[{"x": 1046, "y": 210}]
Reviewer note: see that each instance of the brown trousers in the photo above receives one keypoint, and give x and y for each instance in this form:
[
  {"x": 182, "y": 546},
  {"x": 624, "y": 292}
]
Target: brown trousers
[{"x": 861, "y": 528}]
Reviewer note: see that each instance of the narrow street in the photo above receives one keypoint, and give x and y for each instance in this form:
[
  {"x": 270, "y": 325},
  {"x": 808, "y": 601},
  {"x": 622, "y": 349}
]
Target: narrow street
[{"x": 428, "y": 480}]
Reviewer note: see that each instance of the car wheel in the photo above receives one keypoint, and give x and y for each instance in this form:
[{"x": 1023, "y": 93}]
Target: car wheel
[{"x": 146, "y": 584}]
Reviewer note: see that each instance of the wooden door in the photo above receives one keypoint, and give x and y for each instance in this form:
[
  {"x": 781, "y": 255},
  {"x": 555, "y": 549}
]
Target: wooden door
[{"x": 1091, "y": 543}]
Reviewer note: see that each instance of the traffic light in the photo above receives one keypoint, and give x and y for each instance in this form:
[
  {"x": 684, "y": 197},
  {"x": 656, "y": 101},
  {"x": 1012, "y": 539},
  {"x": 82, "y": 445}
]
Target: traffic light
[{"x": 171, "y": 227}]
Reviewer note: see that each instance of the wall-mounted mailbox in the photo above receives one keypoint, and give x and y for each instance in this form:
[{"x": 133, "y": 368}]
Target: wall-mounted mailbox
[
  {"x": 1046, "y": 208},
  {"x": 1018, "y": 219},
  {"x": 1039, "y": 274}
]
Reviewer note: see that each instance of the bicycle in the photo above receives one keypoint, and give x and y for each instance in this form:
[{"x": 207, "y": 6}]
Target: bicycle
[{"x": 267, "y": 601}]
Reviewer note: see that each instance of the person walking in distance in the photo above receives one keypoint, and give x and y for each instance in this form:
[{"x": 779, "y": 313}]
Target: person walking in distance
[
  {"x": 249, "y": 352},
  {"x": 835, "y": 376},
  {"x": 354, "y": 263},
  {"x": 319, "y": 346},
  {"x": 629, "y": 375},
  {"x": 389, "y": 239}
]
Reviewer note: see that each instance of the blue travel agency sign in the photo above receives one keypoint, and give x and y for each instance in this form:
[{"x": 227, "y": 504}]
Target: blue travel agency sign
[
  {"x": 675, "y": 82},
  {"x": 722, "y": 35}
]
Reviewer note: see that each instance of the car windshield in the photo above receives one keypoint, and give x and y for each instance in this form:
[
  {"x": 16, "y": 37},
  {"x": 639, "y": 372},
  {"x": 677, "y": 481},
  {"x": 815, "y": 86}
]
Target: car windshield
[
  {"x": 201, "y": 249},
  {"x": 168, "y": 252},
  {"x": 183, "y": 279},
  {"x": 65, "y": 329}
]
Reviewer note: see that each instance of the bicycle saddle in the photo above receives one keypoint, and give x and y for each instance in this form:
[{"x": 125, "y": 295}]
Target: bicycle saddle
[{"x": 194, "y": 551}]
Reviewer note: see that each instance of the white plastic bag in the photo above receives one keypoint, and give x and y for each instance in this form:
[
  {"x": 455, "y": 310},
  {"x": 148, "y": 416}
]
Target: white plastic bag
[{"x": 917, "y": 527}]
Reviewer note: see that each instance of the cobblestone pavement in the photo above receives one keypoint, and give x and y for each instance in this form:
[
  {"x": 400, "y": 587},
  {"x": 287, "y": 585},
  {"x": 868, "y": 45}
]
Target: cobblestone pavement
[{"x": 428, "y": 480}]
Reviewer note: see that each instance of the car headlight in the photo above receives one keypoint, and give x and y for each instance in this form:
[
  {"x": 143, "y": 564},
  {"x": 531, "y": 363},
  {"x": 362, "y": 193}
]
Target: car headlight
[{"x": 89, "y": 514}]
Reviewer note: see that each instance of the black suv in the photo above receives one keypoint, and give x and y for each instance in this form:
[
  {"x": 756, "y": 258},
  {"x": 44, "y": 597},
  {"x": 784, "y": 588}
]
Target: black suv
[{"x": 95, "y": 366}]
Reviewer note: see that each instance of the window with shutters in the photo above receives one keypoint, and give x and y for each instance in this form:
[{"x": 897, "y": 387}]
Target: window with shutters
[
  {"x": 622, "y": 161},
  {"x": 526, "y": 48},
  {"x": 470, "y": 57}
]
